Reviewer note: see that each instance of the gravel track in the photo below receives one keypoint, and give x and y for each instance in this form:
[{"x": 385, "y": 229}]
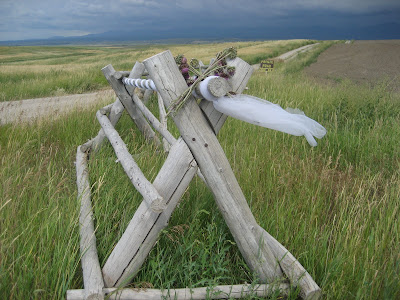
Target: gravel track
[{"x": 53, "y": 107}]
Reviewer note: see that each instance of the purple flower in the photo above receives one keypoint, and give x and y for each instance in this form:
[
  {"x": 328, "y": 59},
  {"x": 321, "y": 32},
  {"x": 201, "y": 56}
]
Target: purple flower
[
  {"x": 231, "y": 71},
  {"x": 185, "y": 70}
]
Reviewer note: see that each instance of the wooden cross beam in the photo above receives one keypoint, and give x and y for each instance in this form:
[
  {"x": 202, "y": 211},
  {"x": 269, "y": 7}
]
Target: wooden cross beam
[
  {"x": 217, "y": 292},
  {"x": 214, "y": 165},
  {"x": 124, "y": 102},
  {"x": 171, "y": 182},
  {"x": 198, "y": 144}
]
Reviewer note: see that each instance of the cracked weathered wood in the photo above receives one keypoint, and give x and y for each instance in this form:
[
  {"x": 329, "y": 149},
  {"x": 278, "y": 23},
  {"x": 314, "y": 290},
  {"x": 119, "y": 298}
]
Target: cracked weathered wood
[
  {"x": 218, "y": 292},
  {"x": 115, "y": 113},
  {"x": 217, "y": 86},
  {"x": 215, "y": 167},
  {"x": 293, "y": 269},
  {"x": 135, "y": 174},
  {"x": 295, "y": 272},
  {"x": 142, "y": 232},
  {"x": 92, "y": 277},
  {"x": 126, "y": 100}
]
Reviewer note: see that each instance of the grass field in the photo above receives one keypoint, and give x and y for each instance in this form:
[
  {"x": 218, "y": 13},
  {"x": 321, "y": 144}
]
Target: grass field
[
  {"x": 33, "y": 72},
  {"x": 335, "y": 207}
]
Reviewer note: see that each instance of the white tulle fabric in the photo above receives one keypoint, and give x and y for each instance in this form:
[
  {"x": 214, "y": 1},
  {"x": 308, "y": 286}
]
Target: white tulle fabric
[
  {"x": 266, "y": 114},
  {"x": 254, "y": 110}
]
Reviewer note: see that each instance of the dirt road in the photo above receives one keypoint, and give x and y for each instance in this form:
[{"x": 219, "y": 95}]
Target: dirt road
[
  {"x": 363, "y": 62},
  {"x": 290, "y": 55},
  {"x": 31, "y": 109}
]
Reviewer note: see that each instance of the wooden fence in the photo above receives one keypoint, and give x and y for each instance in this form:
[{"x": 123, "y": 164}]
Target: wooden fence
[{"x": 196, "y": 151}]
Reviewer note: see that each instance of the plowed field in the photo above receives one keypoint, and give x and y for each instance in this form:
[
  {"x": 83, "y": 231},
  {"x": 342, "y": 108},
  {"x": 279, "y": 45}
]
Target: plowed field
[{"x": 363, "y": 62}]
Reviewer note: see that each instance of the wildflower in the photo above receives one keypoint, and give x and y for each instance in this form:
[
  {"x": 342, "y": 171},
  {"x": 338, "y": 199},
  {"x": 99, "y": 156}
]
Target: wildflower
[
  {"x": 231, "y": 71},
  {"x": 194, "y": 63}
]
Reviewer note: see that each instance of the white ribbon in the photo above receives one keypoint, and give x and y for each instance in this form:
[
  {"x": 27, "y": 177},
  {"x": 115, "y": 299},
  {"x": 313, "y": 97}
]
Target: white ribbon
[
  {"x": 253, "y": 110},
  {"x": 266, "y": 114}
]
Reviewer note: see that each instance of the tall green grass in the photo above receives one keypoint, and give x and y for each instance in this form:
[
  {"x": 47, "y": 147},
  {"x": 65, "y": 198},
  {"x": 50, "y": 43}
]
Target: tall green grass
[{"x": 335, "y": 207}]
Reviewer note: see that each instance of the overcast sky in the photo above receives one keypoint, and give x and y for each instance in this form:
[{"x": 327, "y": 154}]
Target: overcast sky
[{"x": 39, "y": 19}]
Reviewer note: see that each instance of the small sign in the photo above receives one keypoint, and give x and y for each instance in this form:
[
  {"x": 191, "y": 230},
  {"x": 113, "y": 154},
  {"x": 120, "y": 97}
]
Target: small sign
[{"x": 267, "y": 65}]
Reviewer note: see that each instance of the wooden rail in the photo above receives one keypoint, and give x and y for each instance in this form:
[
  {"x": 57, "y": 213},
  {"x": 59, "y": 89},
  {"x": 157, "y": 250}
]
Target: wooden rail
[
  {"x": 92, "y": 277},
  {"x": 173, "y": 179},
  {"x": 215, "y": 167},
  {"x": 139, "y": 181},
  {"x": 218, "y": 292},
  {"x": 197, "y": 145}
]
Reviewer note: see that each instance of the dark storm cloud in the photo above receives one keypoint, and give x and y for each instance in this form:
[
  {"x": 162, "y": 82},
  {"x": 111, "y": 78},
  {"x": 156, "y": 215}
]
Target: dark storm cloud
[{"x": 26, "y": 19}]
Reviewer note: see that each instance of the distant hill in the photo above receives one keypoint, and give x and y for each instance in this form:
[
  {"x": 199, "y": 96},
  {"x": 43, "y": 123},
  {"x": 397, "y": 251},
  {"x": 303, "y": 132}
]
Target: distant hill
[
  {"x": 221, "y": 34},
  {"x": 111, "y": 38}
]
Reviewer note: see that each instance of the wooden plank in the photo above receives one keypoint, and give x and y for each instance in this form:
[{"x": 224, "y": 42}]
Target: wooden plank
[
  {"x": 92, "y": 277},
  {"x": 218, "y": 292},
  {"x": 142, "y": 232},
  {"x": 116, "y": 110},
  {"x": 144, "y": 228},
  {"x": 295, "y": 272},
  {"x": 120, "y": 74},
  {"x": 289, "y": 264},
  {"x": 139, "y": 181},
  {"x": 215, "y": 167},
  {"x": 126, "y": 100}
]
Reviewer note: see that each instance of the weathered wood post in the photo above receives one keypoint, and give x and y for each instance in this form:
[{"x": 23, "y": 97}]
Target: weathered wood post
[
  {"x": 174, "y": 177},
  {"x": 239, "y": 291},
  {"x": 92, "y": 276},
  {"x": 215, "y": 167},
  {"x": 198, "y": 145},
  {"x": 126, "y": 100}
]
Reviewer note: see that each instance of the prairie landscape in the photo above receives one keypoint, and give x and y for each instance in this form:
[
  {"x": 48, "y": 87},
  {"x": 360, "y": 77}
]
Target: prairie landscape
[
  {"x": 33, "y": 72},
  {"x": 335, "y": 207}
]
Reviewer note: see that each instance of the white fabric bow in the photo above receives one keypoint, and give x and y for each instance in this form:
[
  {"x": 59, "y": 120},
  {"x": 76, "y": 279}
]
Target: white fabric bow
[{"x": 266, "y": 114}]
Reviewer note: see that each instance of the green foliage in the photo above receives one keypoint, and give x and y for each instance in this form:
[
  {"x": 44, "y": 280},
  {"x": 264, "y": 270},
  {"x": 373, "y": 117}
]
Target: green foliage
[{"x": 335, "y": 207}]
